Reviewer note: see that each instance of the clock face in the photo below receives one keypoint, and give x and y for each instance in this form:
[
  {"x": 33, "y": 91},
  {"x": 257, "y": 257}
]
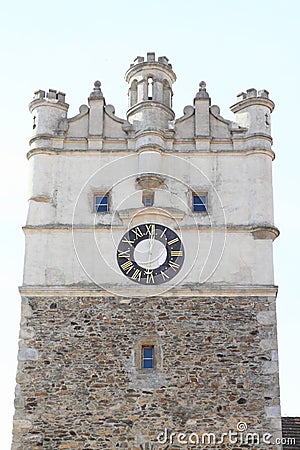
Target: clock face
[{"x": 150, "y": 254}]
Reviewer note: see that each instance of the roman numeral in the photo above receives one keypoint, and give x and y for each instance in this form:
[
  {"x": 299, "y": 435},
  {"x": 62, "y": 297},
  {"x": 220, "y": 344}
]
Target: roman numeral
[
  {"x": 127, "y": 266},
  {"x": 163, "y": 233},
  {"x": 150, "y": 229},
  {"x": 174, "y": 265},
  {"x": 137, "y": 232},
  {"x": 125, "y": 254},
  {"x": 137, "y": 275},
  {"x": 127, "y": 241},
  {"x": 149, "y": 277},
  {"x": 164, "y": 275},
  {"x": 176, "y": 253},
  {"x": 173, "y": 241}
]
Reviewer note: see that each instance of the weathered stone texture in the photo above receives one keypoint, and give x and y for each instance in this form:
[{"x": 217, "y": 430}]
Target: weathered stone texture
[{"x": 85, "y": 390}]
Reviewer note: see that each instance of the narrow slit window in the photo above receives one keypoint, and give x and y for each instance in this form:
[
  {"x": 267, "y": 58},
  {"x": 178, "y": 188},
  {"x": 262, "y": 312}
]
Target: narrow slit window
[
  {"x": 199, "y": 203},
  {"x": 150, "y": 88},
  {"x": 148, "y": 357},
  {"x": 101, "y": 203}
]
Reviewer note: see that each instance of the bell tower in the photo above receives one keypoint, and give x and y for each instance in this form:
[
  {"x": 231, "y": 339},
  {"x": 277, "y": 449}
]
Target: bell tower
[
  {"x": 150, "y": 92},
  {"x": 148, "y": 298}
]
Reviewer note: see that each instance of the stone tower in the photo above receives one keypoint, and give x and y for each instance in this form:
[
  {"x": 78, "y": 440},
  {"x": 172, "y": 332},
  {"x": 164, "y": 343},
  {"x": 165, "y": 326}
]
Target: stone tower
[{"x": 148, "y": 300}]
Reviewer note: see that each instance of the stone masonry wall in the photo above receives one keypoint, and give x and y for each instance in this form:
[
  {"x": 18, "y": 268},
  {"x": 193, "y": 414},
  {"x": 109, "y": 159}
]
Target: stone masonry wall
[{"x": 80, "y": 385}]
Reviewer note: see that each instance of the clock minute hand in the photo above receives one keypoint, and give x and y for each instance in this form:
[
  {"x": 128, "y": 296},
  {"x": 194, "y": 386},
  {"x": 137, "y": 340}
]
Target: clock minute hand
[{"x": 152, "y": 238}]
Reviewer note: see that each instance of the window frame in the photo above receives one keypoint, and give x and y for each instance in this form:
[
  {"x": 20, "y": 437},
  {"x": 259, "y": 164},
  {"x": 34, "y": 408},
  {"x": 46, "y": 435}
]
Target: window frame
[
  {"x": 103, "y": 195},
  {"x": 151, "y": 358},
  {"x": 196, "y": 193},
  {"x": 154, "y": 342},
  {"x": 147, "y": 194}
]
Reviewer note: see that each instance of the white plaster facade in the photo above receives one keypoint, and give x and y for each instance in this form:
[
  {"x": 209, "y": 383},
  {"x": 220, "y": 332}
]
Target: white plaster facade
[{"x": 72, "y": 159}]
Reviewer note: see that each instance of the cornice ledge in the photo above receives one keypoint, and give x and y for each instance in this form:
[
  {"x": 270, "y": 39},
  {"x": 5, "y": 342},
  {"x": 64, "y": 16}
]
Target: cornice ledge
[
  {"x": 253, "y": 101},
  {"x": 265, "y": 232},
  {"x": 43, "y": 151},
  {"x": 263, "y": 151},
  {"x": 258, "y": 231},
  {"x": 263, "y": 136},
  {"x": 150, "y": 146},
  {"x": 187, "y": 290},
  {"x": 150, "y": 104},
  {"x": 42, "y": 136}
]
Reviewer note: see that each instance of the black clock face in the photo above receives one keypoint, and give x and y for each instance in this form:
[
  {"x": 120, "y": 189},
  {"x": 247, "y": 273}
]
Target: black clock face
[{"x": 150, "y": 254}]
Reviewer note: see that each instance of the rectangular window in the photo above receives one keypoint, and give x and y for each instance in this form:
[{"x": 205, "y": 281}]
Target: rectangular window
[
  {"x": 148, "y": 198},
  {"x": 148, "y": 357},
  {"x": 148, "y": 201},
  {"x": 101, "y": 203},
  {"x": 200, "y": 203}
]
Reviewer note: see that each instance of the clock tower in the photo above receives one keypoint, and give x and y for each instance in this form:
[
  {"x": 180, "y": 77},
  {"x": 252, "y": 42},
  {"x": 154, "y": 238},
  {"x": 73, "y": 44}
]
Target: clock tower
[{"x": 148, "y": 301}]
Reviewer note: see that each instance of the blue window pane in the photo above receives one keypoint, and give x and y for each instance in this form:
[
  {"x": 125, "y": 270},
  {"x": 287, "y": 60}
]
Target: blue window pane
[
  {"x": 199, "y": 207},
  {"x": 148, "y": 202},
  {"x": 101, "y": 208},
  {"x": 148, "y": 352},
  {"x": 199, "y": 203},
  {"x": 103, "y": 200},
  {"x": 101, "y": 203},
  {"x": 148, "y": 360},
  {"x": 148, "y": 363}
]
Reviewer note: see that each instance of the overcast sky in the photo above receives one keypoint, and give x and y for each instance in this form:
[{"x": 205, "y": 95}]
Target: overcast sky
[{"x": 66, "y": 45}]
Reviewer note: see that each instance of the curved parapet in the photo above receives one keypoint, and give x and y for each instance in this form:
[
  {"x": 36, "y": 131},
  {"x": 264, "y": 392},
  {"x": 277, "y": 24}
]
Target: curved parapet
[
  {"x": 49, "y": 111},
  {"x": 253, "y": 111}
]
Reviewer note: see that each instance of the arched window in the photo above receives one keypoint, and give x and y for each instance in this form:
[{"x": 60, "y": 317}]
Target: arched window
[
  {"x": 150, "y": 88},
  {"x": 133, "y": 93},
  {"x": 167, "y": 94}
]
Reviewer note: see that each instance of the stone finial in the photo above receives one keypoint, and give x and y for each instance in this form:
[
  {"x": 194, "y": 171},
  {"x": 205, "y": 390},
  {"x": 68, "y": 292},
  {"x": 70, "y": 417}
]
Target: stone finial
[
  {"x": 97, "y": 93},
  {"x": 202, "y": 90}
]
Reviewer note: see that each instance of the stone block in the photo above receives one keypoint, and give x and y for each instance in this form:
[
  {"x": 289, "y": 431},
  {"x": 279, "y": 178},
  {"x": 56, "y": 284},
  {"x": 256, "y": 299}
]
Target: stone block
[
  {"x": 266, "y": 318},
  {"x": 270, "y": 367},
  {"x": 26, "y": 333},
  {"x": 21, "y": 426},
  {"x": 28, "y": 354},
  {"x": 273, "y": 411},
  {"x": 26, "y": 310}
]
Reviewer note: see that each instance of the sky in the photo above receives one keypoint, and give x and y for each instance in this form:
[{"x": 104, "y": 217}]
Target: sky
[{"x": 66, "y": 45}]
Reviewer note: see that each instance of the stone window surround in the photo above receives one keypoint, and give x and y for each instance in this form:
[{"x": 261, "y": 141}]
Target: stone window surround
[
  {"x": 148, "y": 341},
  {"x": 199, "y": 192},
  {"x": 101, "y": 193},
  {"x": 148, "y": 194}
]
